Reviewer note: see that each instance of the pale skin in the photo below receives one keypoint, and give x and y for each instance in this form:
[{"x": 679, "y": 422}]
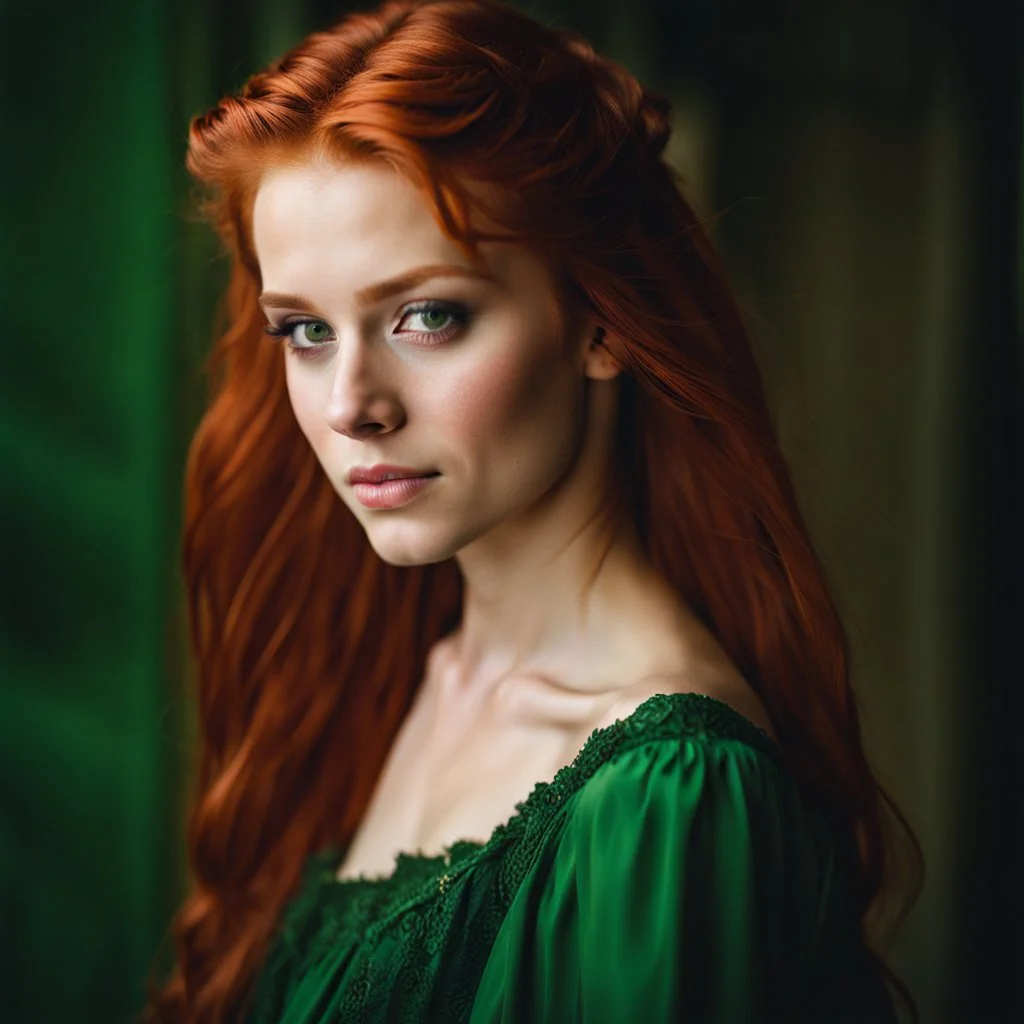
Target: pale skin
[{"x": 555, "y": 640}]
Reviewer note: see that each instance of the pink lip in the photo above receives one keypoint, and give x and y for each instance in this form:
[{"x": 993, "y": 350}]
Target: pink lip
[
  {"x": 377, "y": 474},
  {"x": 390, "y": 493}
]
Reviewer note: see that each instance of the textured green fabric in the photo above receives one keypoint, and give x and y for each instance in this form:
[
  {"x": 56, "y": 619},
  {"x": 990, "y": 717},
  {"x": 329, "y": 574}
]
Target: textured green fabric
[{"x": 673, "y": 871}]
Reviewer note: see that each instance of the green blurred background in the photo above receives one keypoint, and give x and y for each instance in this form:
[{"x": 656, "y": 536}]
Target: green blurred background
[{"x": 862, "y": 165}]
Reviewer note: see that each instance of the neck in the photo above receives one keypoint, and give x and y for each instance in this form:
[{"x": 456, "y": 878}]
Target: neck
[{"x": 568, "y": 606}]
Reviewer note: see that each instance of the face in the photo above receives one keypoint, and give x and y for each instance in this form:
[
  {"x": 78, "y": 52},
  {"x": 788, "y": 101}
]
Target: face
[{"x": 399, "y": 350}]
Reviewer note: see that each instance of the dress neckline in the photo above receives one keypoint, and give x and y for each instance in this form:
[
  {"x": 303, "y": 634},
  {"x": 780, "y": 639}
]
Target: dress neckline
[{"x": 667, "y": 714}]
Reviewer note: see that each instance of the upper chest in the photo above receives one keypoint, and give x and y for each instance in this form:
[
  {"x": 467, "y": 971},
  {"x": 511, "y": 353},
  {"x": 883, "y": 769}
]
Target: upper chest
[
  {"x": 454, "y": 775},
  {"x": 459, "y": 766}
]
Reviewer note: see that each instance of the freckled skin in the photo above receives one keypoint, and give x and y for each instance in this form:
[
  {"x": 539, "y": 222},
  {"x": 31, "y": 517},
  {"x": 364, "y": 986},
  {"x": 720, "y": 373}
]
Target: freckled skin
[{"x": 499, "y": 409}]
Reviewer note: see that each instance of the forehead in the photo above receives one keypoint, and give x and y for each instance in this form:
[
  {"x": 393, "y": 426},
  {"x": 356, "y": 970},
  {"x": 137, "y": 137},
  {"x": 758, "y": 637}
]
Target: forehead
[
  {"x": 318, "y": 204},
  {"x": 317, "y": 225}
]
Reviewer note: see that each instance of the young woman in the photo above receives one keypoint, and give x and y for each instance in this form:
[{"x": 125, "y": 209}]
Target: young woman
[{"x": 555, "y": 725}]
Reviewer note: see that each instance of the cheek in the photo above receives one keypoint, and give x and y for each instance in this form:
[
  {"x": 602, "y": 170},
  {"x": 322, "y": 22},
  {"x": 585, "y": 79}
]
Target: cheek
[
  {"x": 306, "y": 401},
  {"x": 514, "y": 409}
]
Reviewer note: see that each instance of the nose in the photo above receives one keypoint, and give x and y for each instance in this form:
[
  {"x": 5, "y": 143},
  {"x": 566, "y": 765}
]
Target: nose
[{"x": 361, "y": 403}]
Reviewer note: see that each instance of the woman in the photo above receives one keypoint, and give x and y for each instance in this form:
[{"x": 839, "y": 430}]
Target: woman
[{"x": 557, "y": 724}]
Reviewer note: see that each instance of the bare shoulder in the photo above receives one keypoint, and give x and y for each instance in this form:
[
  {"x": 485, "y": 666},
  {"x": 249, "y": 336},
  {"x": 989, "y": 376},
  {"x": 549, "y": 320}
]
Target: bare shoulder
[{"x": 737, "y": 694}]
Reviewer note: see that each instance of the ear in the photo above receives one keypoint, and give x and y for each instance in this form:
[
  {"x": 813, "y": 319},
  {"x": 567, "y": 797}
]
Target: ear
[{"x": 598, "y": 361}]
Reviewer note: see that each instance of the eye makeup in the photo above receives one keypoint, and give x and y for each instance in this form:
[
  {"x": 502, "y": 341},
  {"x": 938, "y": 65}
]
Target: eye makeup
[{"x": 458, "y": 318}]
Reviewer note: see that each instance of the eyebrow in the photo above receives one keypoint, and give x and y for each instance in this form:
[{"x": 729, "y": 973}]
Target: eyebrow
[{"x": 384, "y": 290}]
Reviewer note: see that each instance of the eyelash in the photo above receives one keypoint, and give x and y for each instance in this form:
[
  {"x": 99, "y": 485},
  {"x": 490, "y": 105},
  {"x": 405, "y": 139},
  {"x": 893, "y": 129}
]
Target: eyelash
[{"x": 458, "y": 313}]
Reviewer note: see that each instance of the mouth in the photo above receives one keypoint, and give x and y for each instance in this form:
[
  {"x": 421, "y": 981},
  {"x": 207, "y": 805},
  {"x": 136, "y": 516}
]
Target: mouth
[
  {"x": 391, "y": 493},
  {"x": 401, "y": 476},
  {"x": 382, "y": 474}
]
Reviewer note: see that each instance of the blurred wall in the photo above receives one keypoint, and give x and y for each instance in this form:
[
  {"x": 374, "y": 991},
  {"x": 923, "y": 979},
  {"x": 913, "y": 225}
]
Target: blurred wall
[
  {"x": 89, "y": 502},
  {"x": 861, "y": 164}
]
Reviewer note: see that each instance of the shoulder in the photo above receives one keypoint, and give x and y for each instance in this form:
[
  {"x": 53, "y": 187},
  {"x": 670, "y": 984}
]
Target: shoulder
[
  {"x": 691, "y": 784},
  {"x": 737, "y": 695},
  {"x": 668, "y": 762},
  {"x": 675, "y": 756}
]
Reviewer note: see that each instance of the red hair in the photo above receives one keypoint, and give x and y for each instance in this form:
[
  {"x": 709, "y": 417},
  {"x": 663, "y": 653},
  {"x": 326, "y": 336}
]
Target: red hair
[{"x": 299, "y": 695}]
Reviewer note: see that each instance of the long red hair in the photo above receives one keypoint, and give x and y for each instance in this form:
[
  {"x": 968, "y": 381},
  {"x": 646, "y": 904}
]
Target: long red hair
[{"x": 299, "y": 694}]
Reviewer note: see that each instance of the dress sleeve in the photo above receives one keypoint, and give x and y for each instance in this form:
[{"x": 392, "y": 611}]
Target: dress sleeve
[{"x": 683, "y": 885}]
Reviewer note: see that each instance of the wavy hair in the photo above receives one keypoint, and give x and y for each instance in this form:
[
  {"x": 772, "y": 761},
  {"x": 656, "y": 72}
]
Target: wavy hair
[{"x": 299, "y": 698}]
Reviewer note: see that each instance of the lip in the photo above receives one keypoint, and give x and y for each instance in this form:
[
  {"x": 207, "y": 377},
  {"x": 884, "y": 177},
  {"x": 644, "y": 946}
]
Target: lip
[
  {"x": 376, "y": 474},
  {"x": 391, "y": 493}
]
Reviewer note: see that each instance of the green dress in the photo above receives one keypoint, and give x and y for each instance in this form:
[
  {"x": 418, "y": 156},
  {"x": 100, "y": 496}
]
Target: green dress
[{"x": 672, "y": 872}]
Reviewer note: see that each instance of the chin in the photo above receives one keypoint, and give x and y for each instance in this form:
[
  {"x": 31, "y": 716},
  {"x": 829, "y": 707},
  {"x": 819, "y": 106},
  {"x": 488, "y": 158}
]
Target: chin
[{"x": 407, "y": 551}]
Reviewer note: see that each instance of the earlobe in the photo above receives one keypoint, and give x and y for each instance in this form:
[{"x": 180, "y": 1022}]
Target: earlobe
[{"x": 599, "y": 362}]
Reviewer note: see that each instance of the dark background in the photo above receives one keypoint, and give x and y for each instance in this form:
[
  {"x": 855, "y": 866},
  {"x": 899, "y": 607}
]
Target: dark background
[{"x": 861, "y": 162}]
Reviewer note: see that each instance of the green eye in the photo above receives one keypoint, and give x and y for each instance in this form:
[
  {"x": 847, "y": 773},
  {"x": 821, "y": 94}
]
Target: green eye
[
  {"x": 433, "y": 322},
  {"x": 434, "y": 319},
  {"x": 314, "y": 330},
  {"x": 311, "y": 339}
]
